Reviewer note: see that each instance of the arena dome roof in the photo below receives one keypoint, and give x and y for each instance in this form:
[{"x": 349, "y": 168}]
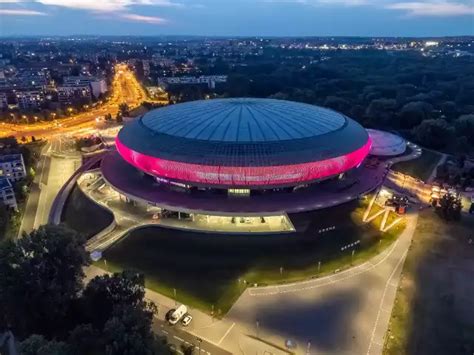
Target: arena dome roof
[
  {"x": 235, "y": 141},
  {"x": 243, "y": 120}
]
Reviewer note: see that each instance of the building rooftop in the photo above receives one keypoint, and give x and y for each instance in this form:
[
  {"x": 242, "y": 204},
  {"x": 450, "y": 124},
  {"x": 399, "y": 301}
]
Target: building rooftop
[
  {"x": 7, "y": 158},
  {"x": 243, "y": 132},
  {"x": 244, "y": 120},
  {"x": 386, "y": 143},
  {"x": 4, "y": 183}
]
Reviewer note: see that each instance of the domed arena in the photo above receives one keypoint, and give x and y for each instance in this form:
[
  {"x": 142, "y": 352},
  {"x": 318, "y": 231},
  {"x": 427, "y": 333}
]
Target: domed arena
[
  {"x": 240, "y": 165},
  {"x": 252, "y": 143}
]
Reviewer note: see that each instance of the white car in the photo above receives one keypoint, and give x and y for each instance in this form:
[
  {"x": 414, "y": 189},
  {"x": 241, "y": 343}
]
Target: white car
[
  {"x": 177, "y": 314},
  {"x": 186, "y": 319}
]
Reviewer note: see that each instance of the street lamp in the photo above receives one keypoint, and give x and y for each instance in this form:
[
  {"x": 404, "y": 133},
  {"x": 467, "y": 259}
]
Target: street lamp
[{"x": 199, "y": 340}]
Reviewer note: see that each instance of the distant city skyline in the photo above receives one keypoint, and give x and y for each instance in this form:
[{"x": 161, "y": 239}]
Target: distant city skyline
[{"x": 238, "y": 18}]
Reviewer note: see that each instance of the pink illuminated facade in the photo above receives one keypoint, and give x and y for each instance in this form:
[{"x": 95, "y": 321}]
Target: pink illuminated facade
[{"x": 248, "y": 176}]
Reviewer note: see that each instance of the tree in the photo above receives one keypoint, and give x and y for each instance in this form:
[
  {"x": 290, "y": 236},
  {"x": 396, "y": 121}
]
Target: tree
[
  {"x": 449, "y": 208},
  {"x": 40, "y": 274},
  {"x": 84, "y": 339},
  {"x": 4, "y": 217},
  {"x": 337, "y": 103},
  {"x": 124, "y": 109},
  {"x": 380, "y": 111},
  {"x": 38, "y": 345},
  {"x": 413, "y": 113},
  {"x": 103, "y": 293},
  {"x": 238, "y": 85},
  {"x": 128, "y": 331},
  {"x": 465, "y": 126},
  {"x": 115, "y": 304},
  {"x": 433, "y": 133}
]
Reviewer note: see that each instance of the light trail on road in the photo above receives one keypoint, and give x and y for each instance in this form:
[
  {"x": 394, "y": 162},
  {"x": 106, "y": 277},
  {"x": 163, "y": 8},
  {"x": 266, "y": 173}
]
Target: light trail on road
[{"x": 125, "y": 89}]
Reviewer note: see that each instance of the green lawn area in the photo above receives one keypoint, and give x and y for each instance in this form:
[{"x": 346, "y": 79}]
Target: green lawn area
[
  {"x": 205, "y": 269},
  {"x": 420, "y": 168},
  {"x": 83, "y": 215},
  {"x": 433, "y": 311}
]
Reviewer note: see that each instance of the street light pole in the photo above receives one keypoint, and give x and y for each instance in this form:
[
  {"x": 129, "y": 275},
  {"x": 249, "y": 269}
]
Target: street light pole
[{"x": 199, "y": 340}]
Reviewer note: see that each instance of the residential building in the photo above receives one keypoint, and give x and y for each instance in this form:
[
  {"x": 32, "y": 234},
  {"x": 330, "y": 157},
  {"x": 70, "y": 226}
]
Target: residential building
[
  {"x": 70, "y": 94},
  {"x": 3, "y": 100},
  {"x": 12, "y": 167},
  {"x": 97, "y": 86},
  {"x": 209, "y": 80},
  {"x": 30, "y": 98},
  {"x": 7, "y": 195}
]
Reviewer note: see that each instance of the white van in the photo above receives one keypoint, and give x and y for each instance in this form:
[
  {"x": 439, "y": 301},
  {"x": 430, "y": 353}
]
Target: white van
[{"x": 178, "y": 314}]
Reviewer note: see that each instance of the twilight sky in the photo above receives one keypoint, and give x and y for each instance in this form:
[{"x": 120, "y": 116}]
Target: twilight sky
[{"x": 238, "y": 17}]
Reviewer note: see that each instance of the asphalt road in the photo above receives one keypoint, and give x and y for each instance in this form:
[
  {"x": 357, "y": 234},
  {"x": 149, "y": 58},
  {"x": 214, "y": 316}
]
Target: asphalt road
[
  {"x": 345, "y": 313},
  {"x": 57, "y": 163},
  {"x": 179, "y": 337},
  {"x": 42, "y": 173}
]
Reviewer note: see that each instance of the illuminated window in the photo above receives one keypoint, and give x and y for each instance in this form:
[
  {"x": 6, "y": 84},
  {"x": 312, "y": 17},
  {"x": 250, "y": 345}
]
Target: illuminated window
[{"x": 239, "y": 192}]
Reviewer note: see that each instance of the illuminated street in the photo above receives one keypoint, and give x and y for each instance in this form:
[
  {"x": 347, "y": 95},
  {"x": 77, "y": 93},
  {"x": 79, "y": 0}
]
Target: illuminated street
[
  {"x": 125, "y": 89},
  {"x": 59, "y": 157}
]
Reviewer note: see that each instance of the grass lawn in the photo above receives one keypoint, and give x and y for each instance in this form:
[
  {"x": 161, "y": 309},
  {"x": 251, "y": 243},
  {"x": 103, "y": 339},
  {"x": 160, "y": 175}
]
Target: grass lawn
[
  {"x": 205, "y": 269},
  {"x": 83, "y": 215},
  {"x": 434, "y": 306},
  {"x": 421, "y": 167}
]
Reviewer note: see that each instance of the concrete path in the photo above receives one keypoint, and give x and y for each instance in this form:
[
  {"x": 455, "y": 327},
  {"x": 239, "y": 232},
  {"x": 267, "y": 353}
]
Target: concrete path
[
  {"x": 54, "y": 168},
  {"x": 441, "y": 161}
]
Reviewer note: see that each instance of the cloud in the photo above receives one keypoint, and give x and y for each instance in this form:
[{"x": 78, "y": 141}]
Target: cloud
[
  {"x": 433, "y": 8},
  {"x": 21, "y": 12},
  {"x": 412, "y": 8},
  {"x": 344, "y": 2},
  {"x": 323, "y": 2},
  {"x": 107, "y": 5},
  {"x": 153, "y": 20}
]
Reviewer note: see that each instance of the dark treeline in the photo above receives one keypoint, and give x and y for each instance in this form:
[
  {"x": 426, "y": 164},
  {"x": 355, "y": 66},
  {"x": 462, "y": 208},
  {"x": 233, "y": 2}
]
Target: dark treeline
[{"x": 428, "y": 98}]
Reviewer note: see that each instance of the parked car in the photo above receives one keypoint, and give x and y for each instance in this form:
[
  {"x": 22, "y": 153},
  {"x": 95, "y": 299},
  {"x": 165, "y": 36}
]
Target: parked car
[
  {"x": 186, "y": 319},
  {"x": 176, "y": 316}
]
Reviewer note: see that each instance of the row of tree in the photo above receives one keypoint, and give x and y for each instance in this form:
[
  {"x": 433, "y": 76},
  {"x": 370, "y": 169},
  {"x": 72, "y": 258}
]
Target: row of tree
[
  {"x": 45, "y": 304},
  {"x": 428, "y": 99}
]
